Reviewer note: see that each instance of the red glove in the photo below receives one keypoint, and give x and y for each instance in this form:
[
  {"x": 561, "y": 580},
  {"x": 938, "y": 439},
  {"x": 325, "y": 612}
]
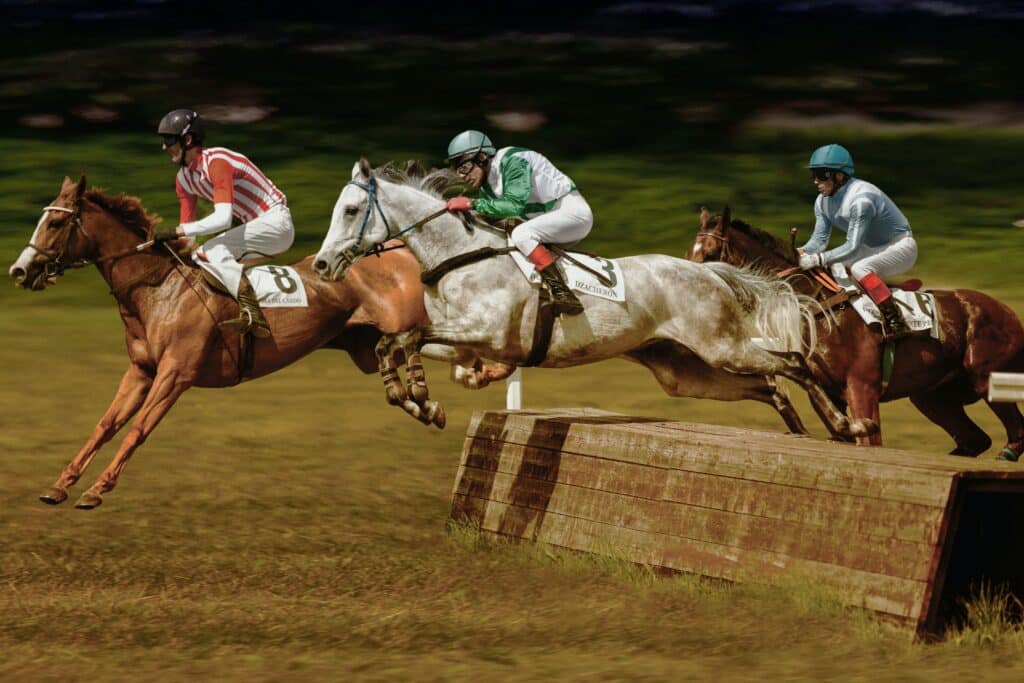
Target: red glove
[{"x": 459, "y": 204}]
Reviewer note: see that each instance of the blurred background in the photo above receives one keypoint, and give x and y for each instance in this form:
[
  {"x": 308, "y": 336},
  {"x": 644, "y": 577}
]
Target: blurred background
[{"x": 654, "y": 108}]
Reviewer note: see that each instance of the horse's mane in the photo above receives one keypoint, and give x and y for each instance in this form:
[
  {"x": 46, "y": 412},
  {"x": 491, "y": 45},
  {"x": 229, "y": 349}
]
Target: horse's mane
[
  {"x": 763, "y": 237},
  {"x": 126, "y": 209},
  {"x": 435, "y": 182}
]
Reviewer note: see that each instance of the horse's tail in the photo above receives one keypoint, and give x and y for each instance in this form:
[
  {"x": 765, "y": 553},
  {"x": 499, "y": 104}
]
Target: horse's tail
[{"x": 783, "y": 318}]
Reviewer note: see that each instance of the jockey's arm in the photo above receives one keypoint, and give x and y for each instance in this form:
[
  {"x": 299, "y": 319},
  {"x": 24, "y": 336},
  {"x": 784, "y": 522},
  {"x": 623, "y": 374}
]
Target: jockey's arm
[
  {"x": 822, "y": 230},
  {"x": 861, "y": 215},
  {"x": 516, "y": 183},
  {"x": 187, "y": 201},
  {"x": 223, "y": 199},
  {"x": 219, "y": 220}
]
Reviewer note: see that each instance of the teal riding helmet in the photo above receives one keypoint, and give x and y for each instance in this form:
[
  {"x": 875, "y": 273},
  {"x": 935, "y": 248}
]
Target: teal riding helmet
[
  {"x": 832, "y": 156},
  {"x": 468, "y": 144}
]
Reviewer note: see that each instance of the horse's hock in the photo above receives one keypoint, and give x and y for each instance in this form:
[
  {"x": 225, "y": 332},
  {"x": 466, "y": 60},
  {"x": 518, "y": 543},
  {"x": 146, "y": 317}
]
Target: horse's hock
[{"x": 903, "y": 533}]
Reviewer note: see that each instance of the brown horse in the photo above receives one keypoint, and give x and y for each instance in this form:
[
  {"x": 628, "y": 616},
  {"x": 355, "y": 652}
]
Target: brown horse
[
  {"x": 170, "y": 318},
  {"x": 977, "y": 335}
]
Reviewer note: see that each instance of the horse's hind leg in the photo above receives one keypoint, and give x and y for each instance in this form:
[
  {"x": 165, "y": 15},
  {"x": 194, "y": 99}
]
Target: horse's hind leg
[
  {"x": 741, "y": 355},
  {"x": 680, "y": 373},
  {"x": 945, "y": 407},
  {"x": 130, "y": 395},
  {"x": 1009, "y": 414}
]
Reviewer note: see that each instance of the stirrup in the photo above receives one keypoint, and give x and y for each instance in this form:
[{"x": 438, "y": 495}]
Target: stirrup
[{"x": 246, "y": 322}]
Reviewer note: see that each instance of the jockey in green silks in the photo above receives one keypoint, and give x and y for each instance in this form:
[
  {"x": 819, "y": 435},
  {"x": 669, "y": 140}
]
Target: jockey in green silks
[{"x": 520, "y": 183}]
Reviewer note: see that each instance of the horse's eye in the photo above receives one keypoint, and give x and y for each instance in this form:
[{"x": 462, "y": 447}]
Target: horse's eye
[
  {"x": 55, "y": 223},
  {"x": 351, "y": 210}
]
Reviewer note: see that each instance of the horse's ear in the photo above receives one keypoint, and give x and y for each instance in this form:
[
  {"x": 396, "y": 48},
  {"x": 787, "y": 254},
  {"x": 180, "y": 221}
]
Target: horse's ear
[
  {"x": 364, "y": 167},
  {"x": 414, "y": 169},
  {"x": 726, "y": 218},
  {"x": 80, "y": 189},
  {"x": 704, "y": 216}
]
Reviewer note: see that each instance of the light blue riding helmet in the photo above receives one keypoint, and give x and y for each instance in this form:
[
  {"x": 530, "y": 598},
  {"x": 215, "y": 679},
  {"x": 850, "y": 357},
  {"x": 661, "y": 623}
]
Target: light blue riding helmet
[
  {"x": 468, "y": 144},
  {"x": 832, "y": 156}
]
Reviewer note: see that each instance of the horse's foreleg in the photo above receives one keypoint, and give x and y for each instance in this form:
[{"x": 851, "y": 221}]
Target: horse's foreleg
[
  {"x": 130, "y": 395},
  {"x": 414, "y": 397},
  {"x": 862, "y": 397},
  {"x": 169, "y": 384},
  {"x": 393, "y": 388}
]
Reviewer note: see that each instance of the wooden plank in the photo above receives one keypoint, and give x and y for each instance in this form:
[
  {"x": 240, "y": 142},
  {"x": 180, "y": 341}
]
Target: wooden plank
[
  {"x": 892, "y": 595},
  {"x": 715, "y": 456},
  {"x": 743, "y": 439},
  {"x": 808, "y": 506},
  {"x": 727, "y": 530}
]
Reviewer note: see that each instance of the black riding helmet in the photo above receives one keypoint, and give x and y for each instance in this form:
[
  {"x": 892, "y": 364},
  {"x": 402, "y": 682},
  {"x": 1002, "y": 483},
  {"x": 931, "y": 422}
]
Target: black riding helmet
[{"x": 179, "y": 123}]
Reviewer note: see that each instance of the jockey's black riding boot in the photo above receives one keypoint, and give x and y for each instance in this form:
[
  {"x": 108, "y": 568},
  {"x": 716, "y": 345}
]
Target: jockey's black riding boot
[
  {"x": 895, "y": 325},
  {"x": 250, "y": 317},
  {"x": 562, "y": 298}
]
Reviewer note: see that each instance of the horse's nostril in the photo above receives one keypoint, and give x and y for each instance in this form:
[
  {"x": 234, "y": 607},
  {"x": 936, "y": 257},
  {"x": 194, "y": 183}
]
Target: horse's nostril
[
  {"x": 320, "y": 265},
  {"x": 18, "y": 274}
]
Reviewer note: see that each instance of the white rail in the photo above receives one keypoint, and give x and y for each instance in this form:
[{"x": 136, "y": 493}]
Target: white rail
[{"x": 1006, "y": 387}]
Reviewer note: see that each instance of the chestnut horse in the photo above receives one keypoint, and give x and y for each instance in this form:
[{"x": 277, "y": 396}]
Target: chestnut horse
[
  {"x": 170, "y": 318},
  {"x": 977, "y": 335}
]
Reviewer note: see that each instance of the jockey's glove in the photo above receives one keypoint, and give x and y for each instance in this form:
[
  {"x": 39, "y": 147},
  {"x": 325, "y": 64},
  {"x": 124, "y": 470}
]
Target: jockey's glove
[
  {"x": 808, "y": 261},
  {"x": 165, "y": 233},
  {"x": 459, "y": 204}
]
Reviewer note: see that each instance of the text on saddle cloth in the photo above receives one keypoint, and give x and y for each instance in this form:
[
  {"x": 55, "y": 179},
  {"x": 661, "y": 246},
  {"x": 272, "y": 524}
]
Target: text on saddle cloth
[
  {"x": 278, "y": 287},
  {"x": 918, "y": 307},
  {"x": 580, "y": 279}
]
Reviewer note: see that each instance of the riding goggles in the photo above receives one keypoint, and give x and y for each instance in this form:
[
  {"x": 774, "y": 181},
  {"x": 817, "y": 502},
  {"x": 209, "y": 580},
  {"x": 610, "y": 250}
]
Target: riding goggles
[
  {"x": 170, "y": 140},
  {"x": 823, "y": 173}
]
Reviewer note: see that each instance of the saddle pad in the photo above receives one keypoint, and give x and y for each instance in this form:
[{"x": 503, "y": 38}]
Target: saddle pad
[
  {"x": 917, "y": 307},
  {"x": 278, "y": 287},
  {"x": 580, "y": 279}
]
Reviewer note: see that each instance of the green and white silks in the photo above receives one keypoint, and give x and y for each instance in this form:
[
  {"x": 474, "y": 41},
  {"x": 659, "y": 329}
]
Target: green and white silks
[{"x": 525, "y": 184}]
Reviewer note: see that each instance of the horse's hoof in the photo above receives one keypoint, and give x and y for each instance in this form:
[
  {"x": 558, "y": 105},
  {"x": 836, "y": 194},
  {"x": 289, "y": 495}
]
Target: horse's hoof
[
  {"x": 435, "y": 412},
  {"x": 89, "y": 500},
  {"x": 55, "y": 495},
  {"x": 412, "y": 408},
  {"x": 863, "y": 427},
  {"x": 1008, "y": 455}
]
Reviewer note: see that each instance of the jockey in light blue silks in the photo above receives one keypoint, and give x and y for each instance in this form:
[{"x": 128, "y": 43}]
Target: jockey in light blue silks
[
  {"x": 517, "y": 182},
  {"x": 879, "y": 242}
]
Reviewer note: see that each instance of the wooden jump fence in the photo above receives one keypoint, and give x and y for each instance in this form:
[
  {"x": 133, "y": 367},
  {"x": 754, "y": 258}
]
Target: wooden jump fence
[{"x": 903, "y": 533}]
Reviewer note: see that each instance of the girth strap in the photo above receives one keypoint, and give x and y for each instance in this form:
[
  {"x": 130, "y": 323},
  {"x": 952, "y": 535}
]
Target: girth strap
[
  {"x": 542, "y": 328},
  {"x": 432, "y": 276}
]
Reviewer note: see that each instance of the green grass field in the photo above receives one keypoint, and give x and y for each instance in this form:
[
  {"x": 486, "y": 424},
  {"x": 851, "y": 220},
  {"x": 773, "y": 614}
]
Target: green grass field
[{"x": 296, "y": 526}]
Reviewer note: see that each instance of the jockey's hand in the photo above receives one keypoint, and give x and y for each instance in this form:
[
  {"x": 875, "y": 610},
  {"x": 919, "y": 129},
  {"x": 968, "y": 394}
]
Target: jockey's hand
[
  {"x": 808, "y": 261},
  {"x": 165, "y": 233},
  {"x": 459, "y": 204}
]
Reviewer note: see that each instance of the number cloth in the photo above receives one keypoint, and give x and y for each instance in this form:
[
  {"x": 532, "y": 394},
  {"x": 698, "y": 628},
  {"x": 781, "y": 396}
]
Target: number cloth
[{"x": 878, "y": 236}]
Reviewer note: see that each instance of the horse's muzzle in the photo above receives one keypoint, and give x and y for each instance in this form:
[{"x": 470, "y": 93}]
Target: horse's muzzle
[
  {"x": 33, "y": 278},
  {"x": 328, "y": 271}
]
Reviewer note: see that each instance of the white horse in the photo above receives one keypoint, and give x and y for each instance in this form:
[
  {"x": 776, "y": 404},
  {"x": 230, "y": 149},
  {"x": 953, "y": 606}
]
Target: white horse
[{"x": 690, "y": 324}]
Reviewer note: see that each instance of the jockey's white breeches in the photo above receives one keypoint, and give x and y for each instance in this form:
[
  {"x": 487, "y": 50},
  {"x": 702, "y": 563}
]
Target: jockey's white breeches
[
  {"x": 885, "y": 261},
  {"x": 263, "y": 237},
  {"x": 569, "y": 221}
]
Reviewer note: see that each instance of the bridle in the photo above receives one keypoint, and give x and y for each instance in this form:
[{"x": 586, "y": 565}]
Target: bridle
[
  {"x": 56, "y": 265},
  {"x": 721, "y": 238},
  {"x": 353, "y": 253}
]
